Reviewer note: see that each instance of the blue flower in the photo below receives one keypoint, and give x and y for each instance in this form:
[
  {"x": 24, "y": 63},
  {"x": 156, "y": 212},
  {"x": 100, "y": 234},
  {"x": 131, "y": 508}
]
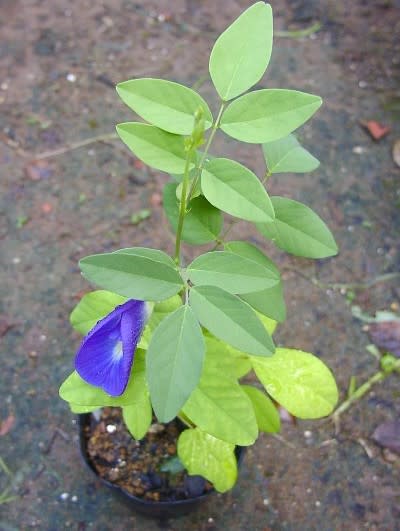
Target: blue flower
[{"x": 105, "y": 356}]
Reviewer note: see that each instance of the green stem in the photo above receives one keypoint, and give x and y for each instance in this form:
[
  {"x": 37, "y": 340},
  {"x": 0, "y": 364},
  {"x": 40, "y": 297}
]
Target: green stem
[
  {"x": 205, "y": 152},
  {"x": 364, "y": 388},
  {"x": 182, "y": 209}
]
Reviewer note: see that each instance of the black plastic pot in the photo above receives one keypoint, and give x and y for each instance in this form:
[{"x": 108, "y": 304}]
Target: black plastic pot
[{"x": 161, "y": 510}]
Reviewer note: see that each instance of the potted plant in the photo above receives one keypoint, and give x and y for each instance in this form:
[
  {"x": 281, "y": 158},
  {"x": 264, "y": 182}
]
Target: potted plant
[{"x": 165, "y": 339}]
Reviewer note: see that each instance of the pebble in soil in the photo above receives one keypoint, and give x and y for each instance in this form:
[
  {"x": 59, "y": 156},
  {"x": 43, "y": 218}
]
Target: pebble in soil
[{"x": 137, "y": 466}]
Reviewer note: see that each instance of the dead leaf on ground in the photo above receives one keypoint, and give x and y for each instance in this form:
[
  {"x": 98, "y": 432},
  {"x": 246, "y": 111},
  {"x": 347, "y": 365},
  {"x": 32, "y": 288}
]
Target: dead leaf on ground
[
  {"x": 5, "y": 325},
  {"x": 7, "y": 424},
  {"x": 386, "y": 336},
  {"x": 46, "y": 208},
  {"x": 387, "y": 435},
  {"x": 375, "y": 129},
  {"x": 396, "y": 152},
  {"x": 37, "y": 170}
]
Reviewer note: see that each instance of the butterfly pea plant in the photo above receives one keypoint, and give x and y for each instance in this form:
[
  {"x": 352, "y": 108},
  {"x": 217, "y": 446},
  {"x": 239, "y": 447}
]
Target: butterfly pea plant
[{"x": 175, "y": 339}]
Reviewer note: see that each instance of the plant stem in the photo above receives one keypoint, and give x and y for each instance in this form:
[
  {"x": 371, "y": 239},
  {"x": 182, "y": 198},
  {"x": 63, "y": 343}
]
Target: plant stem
[
  {"x": 182, "y": 209},
  {"x": 363, "y": 389},
  {"x": 205, "y": 152}
]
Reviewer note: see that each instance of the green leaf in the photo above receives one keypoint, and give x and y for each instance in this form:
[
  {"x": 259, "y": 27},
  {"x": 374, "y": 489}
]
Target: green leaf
[
  {"x": 203, "y": 222},
  {"x": 267, "y": 415},
  {"x": 172, "y": 465},
  {"x": 167, "y": 105},
  {"x": 133, "y": 275},
  {"x": 226, "y": 359},
  {"x": 204, "y": 455},
  {"x": 298, "y": 230},
  {"x": 161, "y": 310},
  {"x": 196, "y": 192},
  {"x": 231, "y": 272},
  {"x": 138, "y": 418},
  {"x": 76, "y": 391},
  {"x": 298, "y": 381},
  {"x": 242, "y": 52},
  {"x": 157, "y": 148},
  {"x": 269, "y": 302},
  {"x": 230, "y": 319},
  {"x": 174, "y": 362},
  {"x": 93, "y": 307},
  {"x": 252, "y": 252},
  {"x": 152, "y": 254},
  {"x": 269, "y": 324},
  {"x": 287, "y": 155},
  {"x": 236, "y": 190},
  {"x": 268, "y": 114},
  {"x": 221, "y": 408}
]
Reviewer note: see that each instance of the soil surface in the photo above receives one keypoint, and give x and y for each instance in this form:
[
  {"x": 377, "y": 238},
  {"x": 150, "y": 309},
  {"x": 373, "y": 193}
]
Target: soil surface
[
  {"x": 147, "y": 469},
  {"x": 59, "y": 62}
]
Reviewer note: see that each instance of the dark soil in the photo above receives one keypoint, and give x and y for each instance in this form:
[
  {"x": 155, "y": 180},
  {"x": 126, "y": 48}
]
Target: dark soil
[
  {"x": 59, "y": 61},
  {"x": 137, "y": 466}
]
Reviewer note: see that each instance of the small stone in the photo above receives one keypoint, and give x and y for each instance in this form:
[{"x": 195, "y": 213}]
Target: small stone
[
  {"x": 308, "y": 434},
  {"x": 156, "y": 428},
  {"x": 265, "y": 501},
  {"x": 74, "y": 499},
  {"x": 16, "y": 260},
  {"x": 71, "y": 78},
  {"x": 64, "y": 496},
  {"x": 111, "y": 428},
  {"x": 317, "y": 503},
  {"x": 171, "y": 449},
  {"x": 194, "y": 486},
  {"x": 359, "y": 150}
]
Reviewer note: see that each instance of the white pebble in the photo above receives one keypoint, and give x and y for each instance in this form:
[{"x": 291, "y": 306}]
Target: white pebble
[
  {"x": 71, "y": 78},
  {"x": 308, "y": 434},
  {"x": 74, "y": 499},
  {"x": 64, "y": 496},
  {"x": 359, "y": 150},
  {"x": 16, "y": 260},
  {"x": 317, "y": 503},
  {"x": 111, "y": 428},
  {"x": 265, "y": 501}
]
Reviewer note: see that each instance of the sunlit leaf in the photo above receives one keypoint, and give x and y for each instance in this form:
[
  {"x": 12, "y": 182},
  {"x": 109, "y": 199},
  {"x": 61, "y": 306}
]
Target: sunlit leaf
[
  {"x": 268, "y": 114},
  {"x": 242, "y": 52},
  {"x": 298, "y": 381},
  {"x": 236, "y": 190},
  {"x": 267, "y": 415},
  {"x": 157, "y": 148},
  {"x": 220, "y": 407},
  {"x": 298, "y": 230},
  {"x": 204, "y": 455},
  {"x": 165, "y": 104},
  {"x": 287, "y": 155}
]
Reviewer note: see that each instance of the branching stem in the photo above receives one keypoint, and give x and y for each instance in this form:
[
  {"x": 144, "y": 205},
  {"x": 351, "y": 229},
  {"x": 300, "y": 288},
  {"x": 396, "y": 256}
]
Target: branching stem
[{"x": 205, "y": 152}]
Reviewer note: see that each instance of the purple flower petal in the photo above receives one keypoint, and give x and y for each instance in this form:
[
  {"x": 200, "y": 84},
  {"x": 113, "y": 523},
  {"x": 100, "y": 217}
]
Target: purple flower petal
[{"x": 106, "y": 354}]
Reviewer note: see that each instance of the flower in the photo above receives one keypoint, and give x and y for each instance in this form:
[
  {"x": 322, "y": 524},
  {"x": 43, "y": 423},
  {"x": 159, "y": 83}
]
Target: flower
[{"x": 106, "y": 354}]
